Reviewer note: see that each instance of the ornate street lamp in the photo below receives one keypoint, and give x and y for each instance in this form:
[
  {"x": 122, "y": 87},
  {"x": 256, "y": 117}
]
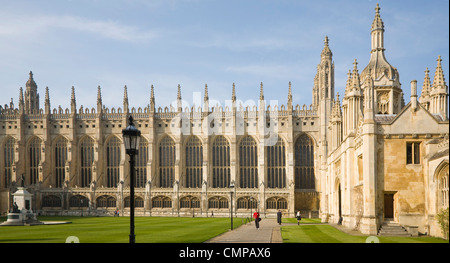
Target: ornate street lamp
[
  {"x": 131, "y": 137},
  {"x": 231, "y": 203}
]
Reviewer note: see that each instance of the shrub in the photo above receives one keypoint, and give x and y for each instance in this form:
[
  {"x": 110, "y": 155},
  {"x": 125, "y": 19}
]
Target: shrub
[{"x": 442, "y": 218}]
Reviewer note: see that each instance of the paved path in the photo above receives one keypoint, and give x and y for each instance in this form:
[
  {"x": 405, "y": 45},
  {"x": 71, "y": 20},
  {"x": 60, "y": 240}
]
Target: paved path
[{"x": 269, "y": 232}]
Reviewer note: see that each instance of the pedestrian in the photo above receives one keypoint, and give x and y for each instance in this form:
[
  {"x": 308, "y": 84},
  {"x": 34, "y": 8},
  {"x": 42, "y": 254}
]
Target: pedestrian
[
  {"x": 257, "y": 219},
  {"x": 299, "y": 217},
  {"x": 279, "y": 215}
]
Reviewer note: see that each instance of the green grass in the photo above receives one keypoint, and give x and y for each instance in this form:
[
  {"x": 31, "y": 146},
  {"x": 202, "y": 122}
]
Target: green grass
[
  {"x": 117, "y": 230},
  {"x": 303, "y": 221},
  {"x": 328, "y": 234}
]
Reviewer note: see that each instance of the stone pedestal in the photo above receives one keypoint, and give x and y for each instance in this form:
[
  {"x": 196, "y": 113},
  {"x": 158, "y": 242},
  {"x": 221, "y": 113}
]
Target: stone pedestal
[{"x": 21, "y": 213}]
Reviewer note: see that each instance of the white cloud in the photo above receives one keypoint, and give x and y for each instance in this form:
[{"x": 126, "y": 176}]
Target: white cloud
[{"x": 15, "y": 26}]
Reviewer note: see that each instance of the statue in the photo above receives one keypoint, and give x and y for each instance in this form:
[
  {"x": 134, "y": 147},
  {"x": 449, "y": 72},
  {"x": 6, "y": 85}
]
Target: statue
[
  {"x": 15, "y": 208},
  {"x": 22, "y": 184}
]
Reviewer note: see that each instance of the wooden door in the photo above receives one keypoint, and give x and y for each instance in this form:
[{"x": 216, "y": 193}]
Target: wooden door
[{"x": 388, "y": 205}]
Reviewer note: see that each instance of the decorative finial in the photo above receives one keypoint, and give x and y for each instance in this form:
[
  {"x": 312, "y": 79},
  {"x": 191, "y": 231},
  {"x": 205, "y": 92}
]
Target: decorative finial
[
  {"x": 377, "y": 9},
  {"x": 130, "y": 121}
]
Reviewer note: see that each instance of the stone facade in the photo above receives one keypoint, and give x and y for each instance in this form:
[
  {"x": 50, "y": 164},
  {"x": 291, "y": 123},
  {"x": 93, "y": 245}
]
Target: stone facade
[{"x": 355, "y": 161}]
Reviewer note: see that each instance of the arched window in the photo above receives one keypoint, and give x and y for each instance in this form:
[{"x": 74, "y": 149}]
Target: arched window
[
  {"x": 138, "y": 202},
  {"x": 189, "y": 202},
  {"x": 8, "y": 160},
  {"x": 161, "y": 202},
  {"x": 276, "y": 165},
  {"x": 194, "y": 162},
  {"x": 86, "y": 158},
  {"x": 248, "y": 163},
  {"x": 141, "y": 163},
  {"x": 304, "y": 163},
  {"x": 221, "y": 163},
  {"x": 246, "y": 203},
  {"x": 112, "y": 162},
  {"x": 166, "y": 162},
  {"x": 443, "y": 185},
  {"x": 51, "y": 201},
  {"x": 217, "y": 203},
  {"x": 276, "y": 203},
  {"x": 78, "y": 201},
  {"x": 34, "y": 157},
  {"x": 60, "y": 161},
  {"x": 106, "y": 201}
]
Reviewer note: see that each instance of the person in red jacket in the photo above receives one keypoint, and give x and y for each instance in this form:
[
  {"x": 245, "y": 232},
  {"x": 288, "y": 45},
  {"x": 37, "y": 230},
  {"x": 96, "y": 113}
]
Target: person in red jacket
[{"x": 257, "y": 219}]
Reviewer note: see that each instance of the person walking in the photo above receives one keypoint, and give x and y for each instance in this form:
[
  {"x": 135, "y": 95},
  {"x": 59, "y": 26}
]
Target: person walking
[
  {"x": 299, "y": 217},
  {"x": 279, "y": 215},
  {"x": 257, "y": 219}
]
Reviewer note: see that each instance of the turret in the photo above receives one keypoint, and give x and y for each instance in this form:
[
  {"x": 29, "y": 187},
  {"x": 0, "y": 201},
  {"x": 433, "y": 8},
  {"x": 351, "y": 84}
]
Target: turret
[{"x": 31, "y": 96}]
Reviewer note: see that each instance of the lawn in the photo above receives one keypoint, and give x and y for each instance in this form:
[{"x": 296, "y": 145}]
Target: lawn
[
  {"x": 117, "y": 230},
  {"x": 324, "y": 233}
]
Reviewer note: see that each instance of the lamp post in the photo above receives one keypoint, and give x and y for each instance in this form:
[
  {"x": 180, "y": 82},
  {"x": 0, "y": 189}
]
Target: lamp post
[
  {"x": 131, "y": 137},
  {"x": 231, "y": 204}
]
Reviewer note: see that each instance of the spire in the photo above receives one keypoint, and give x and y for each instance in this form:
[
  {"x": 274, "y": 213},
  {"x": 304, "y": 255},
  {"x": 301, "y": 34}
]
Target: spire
[
  {"x": 336, "y": 111},
  {"x": 47, "y": 101},
  {"x": 377, "y": 22},
  {"x": 426, "y": 84},
  {"x": 73, "y": 103},
  {"x": 31, "y": 83},
  {"x": 439, "y": 80},
  {"x": 233, "y": 93},
  {"x": 179, "y": 105},
  {"x": 290, "y": 97},
  {"x": 125, "y": 99},
  {"x": 20, "y": 95},
  {"x": 261, "y": 92},
  {"x": 206, "y": 100},
  {"x": 326, "y": 49},
  {"x": 356, "y": 84},
  {"x": 152, "y": 99},
  {"x": 99, "y": 95},
  {"x": 99, "y": 99},
  {"x": 21, "y": 101},
  {"x": 348, "y": 86}
]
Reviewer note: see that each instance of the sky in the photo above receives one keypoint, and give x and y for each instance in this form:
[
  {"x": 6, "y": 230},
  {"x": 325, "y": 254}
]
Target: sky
[{"x": 166, "y": 43}]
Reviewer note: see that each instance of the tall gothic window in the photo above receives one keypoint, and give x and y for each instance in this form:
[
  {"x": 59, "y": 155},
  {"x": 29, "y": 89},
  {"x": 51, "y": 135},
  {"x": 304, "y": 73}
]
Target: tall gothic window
[
  {"x": 443, "y": 185},
  {"x": 276, "y": 165},
  {"x": 141, "y": 163},
  {"x": 60, "y": 161},
  {"x": 34, "y": 157},
  {"x": 112, "y": 162},
  {"x": 86, "y": 158},
  {"x": 221, "y": 163},
  {"x": 248, "y": 163},
  {"x": 194, "y": 162},
  {"x": 8, "y": 158},
  {"x": 166, "y": 162},
  {"x": 304, "y": 163}
]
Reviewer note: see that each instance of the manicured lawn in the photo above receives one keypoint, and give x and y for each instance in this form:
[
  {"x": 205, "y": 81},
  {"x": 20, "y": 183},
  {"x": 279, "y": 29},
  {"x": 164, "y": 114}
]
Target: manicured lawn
[
  {"x": 117, "y": 230},
  {"x": 327, "y": 234},
  {"x": 303, "y": 221}
]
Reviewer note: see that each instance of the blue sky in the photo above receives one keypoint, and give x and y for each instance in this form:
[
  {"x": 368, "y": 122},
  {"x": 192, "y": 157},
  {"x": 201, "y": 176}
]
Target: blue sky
[{"x": 164, "y": 43}]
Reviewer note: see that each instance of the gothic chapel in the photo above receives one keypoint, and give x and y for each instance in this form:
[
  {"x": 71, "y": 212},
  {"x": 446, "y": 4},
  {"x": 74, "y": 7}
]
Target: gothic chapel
[{"x": 360, "y": 160}]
